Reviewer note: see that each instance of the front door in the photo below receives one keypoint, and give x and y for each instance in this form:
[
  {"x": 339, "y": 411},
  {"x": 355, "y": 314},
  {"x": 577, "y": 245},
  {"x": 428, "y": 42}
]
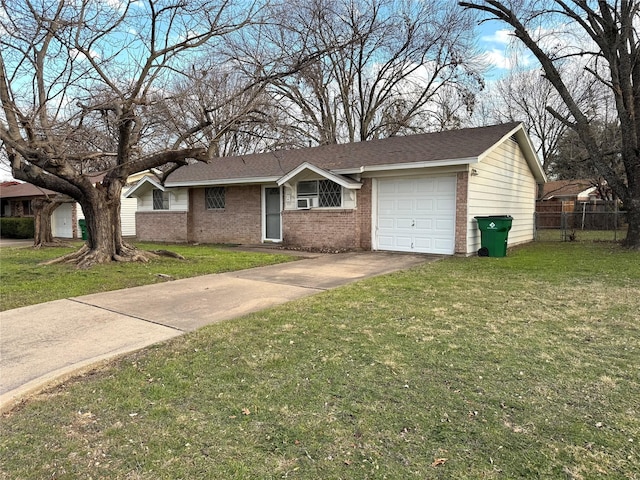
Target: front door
[{"x": 272, "y": 209}]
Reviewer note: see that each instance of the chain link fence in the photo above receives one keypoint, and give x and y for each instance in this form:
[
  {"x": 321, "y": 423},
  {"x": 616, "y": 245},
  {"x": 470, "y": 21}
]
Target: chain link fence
[{"x": 582, "y": 222}]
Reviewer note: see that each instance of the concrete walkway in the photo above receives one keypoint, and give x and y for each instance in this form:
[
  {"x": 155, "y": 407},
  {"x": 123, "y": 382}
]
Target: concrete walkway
[{"x": 46, "y": 343}]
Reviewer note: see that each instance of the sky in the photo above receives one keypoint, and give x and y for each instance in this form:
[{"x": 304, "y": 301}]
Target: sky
[{"x": 494, "y": 40}]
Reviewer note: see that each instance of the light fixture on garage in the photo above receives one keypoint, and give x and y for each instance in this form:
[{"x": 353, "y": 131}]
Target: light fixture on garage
[{"x": 474, "y": 172}]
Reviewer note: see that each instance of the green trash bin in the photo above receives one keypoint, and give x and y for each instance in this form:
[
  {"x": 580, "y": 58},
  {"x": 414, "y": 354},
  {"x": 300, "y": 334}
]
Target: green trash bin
[
  {"x": 83, "y": 228},
  {"x": 494, "y": 232}
]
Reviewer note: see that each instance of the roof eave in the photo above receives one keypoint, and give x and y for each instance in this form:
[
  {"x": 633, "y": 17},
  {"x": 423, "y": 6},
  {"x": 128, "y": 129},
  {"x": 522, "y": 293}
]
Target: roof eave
[
  {"x": 407, "y": 165},
  {"x": 143, "y": 183},
  {"x": 222, "y": 181},
  {"x": 330, "y": 175}
]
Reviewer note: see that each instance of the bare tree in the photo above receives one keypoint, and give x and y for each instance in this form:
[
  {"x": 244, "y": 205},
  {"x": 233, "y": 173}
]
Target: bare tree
[
  {"x": 604, "y": 35},
  {"x": 239, "y": 113},
  {"x": 572, "y": 161},
  {"x": 78, "y": 80},
  {"x": 524, "y": 95},
  {"x": 390, "y": 80}
]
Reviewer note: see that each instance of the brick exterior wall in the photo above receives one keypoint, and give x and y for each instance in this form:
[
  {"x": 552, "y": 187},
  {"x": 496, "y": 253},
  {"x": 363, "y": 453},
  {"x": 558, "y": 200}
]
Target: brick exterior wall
[
  {"x": 364, "y": 209},
  {"x": 161, "y": 226},
  {"x": 239, "y": 222},
  {"x": 348, "y": 229},
  {"x": 461, "y": 212},
  {"x": 320, "y": 229}
]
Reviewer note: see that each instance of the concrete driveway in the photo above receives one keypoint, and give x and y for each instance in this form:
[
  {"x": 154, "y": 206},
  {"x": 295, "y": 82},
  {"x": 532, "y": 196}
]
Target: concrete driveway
[
  {"x": 16, "y": 242},
  {"x": 44, "y": 344}
]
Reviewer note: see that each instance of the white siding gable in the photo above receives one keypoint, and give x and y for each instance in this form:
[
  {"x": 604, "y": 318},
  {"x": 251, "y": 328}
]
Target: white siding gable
[
  {"x": 128, "y": 216},
  {"x": 178, "y": 200},
  {"x": 503, "y": 185}
]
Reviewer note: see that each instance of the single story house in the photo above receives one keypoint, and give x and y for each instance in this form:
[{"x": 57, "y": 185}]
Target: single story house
[
  {"x": 16, "y": 200},
  {"x": 559, "y": 199},
  {"x": 417, "y": 193},
  {"x": 565, "y": 193}
]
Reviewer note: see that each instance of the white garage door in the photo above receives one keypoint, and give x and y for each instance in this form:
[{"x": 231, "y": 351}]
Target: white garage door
[
  {"x": 417, "y": 214},
  {"x": 61, "y": 221}
]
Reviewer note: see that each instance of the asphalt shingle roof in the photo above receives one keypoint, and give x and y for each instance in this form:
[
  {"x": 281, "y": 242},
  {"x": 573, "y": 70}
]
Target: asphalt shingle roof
[
  {"x": 565, "y": 188},
  {"x": 448, "y": 145},
  {"x": 23, "y": 190}
]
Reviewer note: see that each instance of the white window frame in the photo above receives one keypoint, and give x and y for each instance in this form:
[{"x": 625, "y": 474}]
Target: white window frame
[
  {"x": 222, "y": 193},
  {"x": 166, "y": 203},
  {"x": 314, "y": 193}
]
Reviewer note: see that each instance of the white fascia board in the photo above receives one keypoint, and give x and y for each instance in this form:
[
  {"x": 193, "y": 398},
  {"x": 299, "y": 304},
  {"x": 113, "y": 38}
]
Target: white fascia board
[
  {"x": 408, "y": 165},
  {"x": 223, "y": 181},
  {"x": 336, "y": 178},
  {"x": 587, "y": 192},
  {"x": 143, "y": 182}
]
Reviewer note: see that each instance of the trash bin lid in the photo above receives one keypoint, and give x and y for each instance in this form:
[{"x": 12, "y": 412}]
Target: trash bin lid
[{"x": 495, "y": 222}]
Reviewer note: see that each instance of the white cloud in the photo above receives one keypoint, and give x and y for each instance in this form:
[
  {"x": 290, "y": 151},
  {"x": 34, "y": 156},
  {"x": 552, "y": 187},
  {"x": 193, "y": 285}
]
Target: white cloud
[
  {"x": 502, "y": 37},
  {"x": 498, "y": 59},
  {"x": 76, "y": 54},
  {"x": 503, "y": 59},
  {"x": 502, "y": 51}
]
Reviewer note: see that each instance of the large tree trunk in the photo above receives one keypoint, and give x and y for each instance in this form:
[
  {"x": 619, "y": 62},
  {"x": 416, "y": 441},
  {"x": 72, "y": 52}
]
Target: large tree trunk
[
  {"x": 633, "y": 220},
  {"x": 631, "y": 194},
  {"x": 43, "y": 209},
  {"x": 101, "y": 207}
]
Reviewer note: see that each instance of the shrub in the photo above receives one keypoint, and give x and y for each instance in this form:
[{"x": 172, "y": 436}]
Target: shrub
[{"x": 17, "y": 227}]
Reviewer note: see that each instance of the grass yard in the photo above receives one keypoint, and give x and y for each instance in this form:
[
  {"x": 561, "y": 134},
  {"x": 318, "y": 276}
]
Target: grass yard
[
  {"x": 24, "y": 282},
  {"x": 468, "y": 368},
  {"x": 559, "y": 235}
]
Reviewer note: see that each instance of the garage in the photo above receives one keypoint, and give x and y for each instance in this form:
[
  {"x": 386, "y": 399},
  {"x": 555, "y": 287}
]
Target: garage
[
  {"x": 416, "y": 214},
  {"x": 61, "y": 221}
]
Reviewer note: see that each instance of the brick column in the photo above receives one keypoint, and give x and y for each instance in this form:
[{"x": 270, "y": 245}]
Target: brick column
[{"x": 462, "y": 189}]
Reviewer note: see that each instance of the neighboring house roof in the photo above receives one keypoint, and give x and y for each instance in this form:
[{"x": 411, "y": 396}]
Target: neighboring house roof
[
  {"x": 142, "y": 185},
  {"x": 567, "y": 189},
  {"x": 136, "y": 177},
  {"x": 454, "y": 147},
  {"x": 21, "y": 190},
  {"x": 13, "y": 189}
]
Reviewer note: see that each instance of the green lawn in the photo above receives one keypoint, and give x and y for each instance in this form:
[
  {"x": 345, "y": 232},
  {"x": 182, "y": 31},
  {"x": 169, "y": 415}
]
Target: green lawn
[
  {"x": 559, "y": 235},
  {"x": 526, "y": 366},
  {"x": 24, "y": 282}
]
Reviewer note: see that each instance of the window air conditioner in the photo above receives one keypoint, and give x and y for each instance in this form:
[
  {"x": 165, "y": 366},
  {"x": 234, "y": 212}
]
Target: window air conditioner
[{"x": 304, "y": 203}]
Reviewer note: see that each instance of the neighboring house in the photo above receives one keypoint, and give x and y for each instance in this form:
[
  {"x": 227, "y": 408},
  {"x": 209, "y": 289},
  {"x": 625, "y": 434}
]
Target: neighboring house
[
  {"x": 15, "y": 198},
  {"x": 560, "y": 199},
  {"x": 563, "y": 194},
  {"x": 417, "y": 193},
  {"x": 16, "y": 202}
]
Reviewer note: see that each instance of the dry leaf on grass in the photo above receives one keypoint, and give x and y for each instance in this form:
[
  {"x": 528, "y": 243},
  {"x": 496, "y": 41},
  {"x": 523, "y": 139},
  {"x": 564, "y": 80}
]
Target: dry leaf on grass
[{"x": 438, "y": 461}]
